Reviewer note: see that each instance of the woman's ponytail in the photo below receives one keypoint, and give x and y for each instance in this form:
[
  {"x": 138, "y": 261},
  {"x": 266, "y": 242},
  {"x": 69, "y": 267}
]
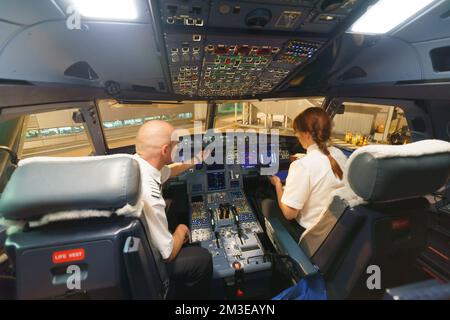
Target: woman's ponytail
[{"x": 334, "y": 165}]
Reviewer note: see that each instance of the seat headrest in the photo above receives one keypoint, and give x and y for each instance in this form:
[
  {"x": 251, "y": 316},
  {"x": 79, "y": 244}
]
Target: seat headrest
[
  {"x": 44, "y": 185},
  {"x": 381, "y": 173}
]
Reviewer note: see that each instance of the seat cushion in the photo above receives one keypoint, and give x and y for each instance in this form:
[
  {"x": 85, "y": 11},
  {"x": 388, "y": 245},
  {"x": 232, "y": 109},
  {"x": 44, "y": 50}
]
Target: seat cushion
[{"x": 380, "y": 173}]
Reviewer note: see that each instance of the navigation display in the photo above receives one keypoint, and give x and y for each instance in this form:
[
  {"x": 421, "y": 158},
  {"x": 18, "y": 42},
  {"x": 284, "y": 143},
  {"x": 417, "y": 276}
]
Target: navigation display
[{"x": 216, "y": 181}]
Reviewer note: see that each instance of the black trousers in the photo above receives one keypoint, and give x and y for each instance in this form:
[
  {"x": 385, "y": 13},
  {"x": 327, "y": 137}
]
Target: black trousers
[{"x": 190, "y": 274}]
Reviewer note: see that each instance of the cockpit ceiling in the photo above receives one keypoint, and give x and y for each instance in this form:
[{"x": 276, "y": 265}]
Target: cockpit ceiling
[{"x": 40, "y": 42}]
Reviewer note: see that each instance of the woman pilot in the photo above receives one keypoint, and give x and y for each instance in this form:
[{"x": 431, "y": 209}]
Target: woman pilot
[{"x": 312, "y": 179}]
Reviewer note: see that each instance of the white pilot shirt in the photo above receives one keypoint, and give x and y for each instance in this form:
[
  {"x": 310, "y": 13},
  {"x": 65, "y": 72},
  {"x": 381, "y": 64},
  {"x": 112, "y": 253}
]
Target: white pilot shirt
[
  {"x": 155, "y": 206},
  {"x": 310, "y": 184}
]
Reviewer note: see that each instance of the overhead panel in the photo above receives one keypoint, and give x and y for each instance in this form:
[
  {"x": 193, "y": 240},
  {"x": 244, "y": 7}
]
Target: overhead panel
[{"x": 243, "y": 48}]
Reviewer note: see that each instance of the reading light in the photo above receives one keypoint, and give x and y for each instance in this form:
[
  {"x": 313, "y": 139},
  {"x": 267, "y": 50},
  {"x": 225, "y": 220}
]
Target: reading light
[
  {"x": 385, "y": 15},
  {"x": 107, "y": 9}
]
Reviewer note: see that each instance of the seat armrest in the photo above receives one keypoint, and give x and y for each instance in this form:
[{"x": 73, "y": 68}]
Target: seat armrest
[
  {"x": 286, "y": 245},
  {"x": 2, "y": 236}
]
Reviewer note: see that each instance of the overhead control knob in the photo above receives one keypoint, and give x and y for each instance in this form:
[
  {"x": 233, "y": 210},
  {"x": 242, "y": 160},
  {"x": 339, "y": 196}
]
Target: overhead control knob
[{"x": 258, "y": 18}]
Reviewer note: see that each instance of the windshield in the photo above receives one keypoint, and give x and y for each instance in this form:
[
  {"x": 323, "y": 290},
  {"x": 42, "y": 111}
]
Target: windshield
[
  {"x": 263, "y": 115},
  {"x": 366, "y": 122},
  {"x": 122, "y": 121}
]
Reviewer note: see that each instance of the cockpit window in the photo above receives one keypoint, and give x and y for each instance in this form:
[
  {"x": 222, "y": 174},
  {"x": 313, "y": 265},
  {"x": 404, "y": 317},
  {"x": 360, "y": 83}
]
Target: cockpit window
[
  {"x": 263, "y": 115},
  {"x": 54, "y": 134},
  {"x": 122, "y": 121},
  {"x": 362, "y": 124}
]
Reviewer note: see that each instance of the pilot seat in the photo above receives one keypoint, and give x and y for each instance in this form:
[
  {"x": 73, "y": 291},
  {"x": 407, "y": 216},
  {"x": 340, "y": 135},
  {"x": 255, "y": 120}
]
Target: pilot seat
[
  {"x": 377, "y": 223},
  {"x": 75, "y": 230}
]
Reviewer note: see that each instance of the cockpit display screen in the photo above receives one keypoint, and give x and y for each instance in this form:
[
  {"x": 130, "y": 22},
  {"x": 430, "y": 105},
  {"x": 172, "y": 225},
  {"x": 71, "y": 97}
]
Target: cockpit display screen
[
  {"x": 248, "y": 159},
  {"x": 216, "y": 181}
]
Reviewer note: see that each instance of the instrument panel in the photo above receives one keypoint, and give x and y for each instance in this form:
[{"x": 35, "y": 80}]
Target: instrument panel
[
  {"x": 243, "y": 61},
  {"x": 222, "y": 219},
  {"x": 223, "y": 222}
]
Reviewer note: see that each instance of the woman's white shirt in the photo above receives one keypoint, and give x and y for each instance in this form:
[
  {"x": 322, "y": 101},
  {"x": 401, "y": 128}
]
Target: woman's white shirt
[{"x": 310, "y": 184}]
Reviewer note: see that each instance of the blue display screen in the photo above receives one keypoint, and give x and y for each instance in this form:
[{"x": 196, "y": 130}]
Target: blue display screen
[
  {"x": 234, "y": 184},
  {"x": 199, "y": 166},
  {"x": 216, "y": 181}
]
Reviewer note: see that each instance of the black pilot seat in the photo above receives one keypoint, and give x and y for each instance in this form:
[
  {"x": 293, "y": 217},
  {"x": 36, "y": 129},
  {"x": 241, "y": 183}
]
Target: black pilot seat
[
  {"x": 75, "y": 230},
  {"x": 377, "y": 221}
]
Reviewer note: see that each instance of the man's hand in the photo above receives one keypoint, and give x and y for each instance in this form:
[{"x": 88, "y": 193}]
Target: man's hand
[
  {"x": 180, "y": 167},
  {"x": 202, "y": 156},
  {"x": 180, "y": 237},
  {"x": 183, "y": 230},
  {"x": 206, "y": 153},
  {"x": 275, "y": 181}
]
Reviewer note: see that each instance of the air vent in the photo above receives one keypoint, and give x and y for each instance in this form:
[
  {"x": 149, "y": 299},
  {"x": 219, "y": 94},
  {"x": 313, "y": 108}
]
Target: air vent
[
  {"x": 112, "y": 88},
  {"x": 353, "y": 73},
  {"x": 440, "y": 58},
  {"x": 81, "y": 70}
]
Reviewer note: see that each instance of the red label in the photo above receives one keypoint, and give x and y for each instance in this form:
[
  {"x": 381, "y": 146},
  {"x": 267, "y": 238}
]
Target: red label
[
  {"x": 401, "y": 224},
  {"x": 68, "y": 255}
]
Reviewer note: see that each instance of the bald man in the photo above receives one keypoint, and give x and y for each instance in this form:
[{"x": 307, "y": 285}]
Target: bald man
[{"x": 190, "y": 267}]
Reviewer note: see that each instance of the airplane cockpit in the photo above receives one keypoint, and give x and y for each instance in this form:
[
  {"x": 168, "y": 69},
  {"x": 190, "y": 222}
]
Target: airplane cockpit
[{"x": 79, "y": 78}]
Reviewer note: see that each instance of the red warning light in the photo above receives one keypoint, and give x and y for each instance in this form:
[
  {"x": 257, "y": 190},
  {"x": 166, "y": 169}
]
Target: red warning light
[
  {"x": 239, "y": 293},
  {"x": 243, "y": 50}
]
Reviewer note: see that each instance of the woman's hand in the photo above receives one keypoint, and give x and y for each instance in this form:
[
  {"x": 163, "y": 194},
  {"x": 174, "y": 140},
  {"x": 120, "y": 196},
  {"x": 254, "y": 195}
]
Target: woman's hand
[{"x": 275, "y": 181}]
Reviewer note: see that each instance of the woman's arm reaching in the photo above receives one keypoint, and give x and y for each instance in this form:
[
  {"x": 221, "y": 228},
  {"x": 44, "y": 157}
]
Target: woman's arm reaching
[{"x": 288, "y": 212}]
